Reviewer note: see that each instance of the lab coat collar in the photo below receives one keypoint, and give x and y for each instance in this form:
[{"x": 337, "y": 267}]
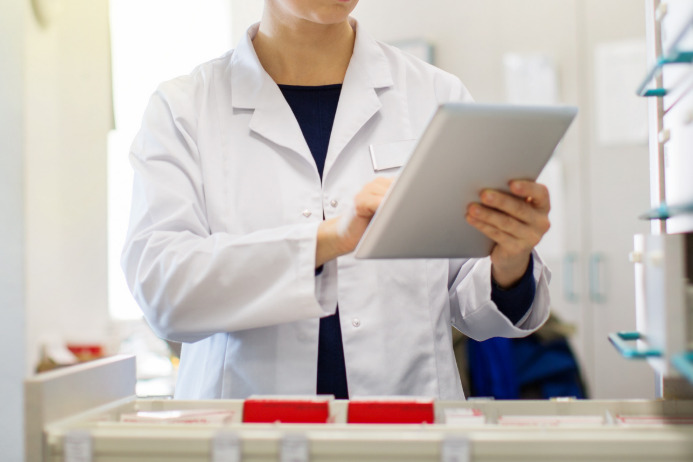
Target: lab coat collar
[
  {"x": 369, "y": 57},
  {"x": 249, "y": 78},
  {"x": 253, "y": 88},
  {"x": 367, "y": 74}
]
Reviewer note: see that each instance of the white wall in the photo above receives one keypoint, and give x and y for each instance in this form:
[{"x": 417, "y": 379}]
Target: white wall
[
  {"x": 54, "y": 117},
  {"x": 470, "y": 35},
  {"x": 12, "y": 316},
  {"x": 68, "y": 115},
  {"x": 243, "y": 14}
]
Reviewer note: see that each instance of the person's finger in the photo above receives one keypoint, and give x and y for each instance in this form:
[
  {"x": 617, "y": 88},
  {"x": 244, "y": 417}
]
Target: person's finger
[
  {"x": 505, "y": 223},
  {"x": 530, "y": 210},
  {"x": 379, "y": 186},
  {"x": 535, "y": 194},
  {"x": 384, "y": 181},
  {"x": 369, "y": 198},
  {"x": 514, "y": 206},
  {"x": 511, "y": 244},
  {"x": 366, "y": 204}
]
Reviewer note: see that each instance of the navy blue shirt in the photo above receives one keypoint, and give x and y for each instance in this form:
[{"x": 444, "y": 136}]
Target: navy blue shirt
[{"x": 315, "y": 108}]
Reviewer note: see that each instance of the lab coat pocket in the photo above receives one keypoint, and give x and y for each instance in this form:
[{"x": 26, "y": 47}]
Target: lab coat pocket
[{"x": 389, "y": 156}]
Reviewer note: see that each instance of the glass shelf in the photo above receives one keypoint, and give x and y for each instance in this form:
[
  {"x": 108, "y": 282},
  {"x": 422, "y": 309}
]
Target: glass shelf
[
  {"x": 665, "y": 211},
  {"x": 619, "y": 339},
  {"x": 680, "y": 57},
  {"x": 684, "y": 364},
  {"x": 680, "y": 53}
]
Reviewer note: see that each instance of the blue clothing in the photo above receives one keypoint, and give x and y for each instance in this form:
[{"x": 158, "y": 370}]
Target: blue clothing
[
  {"x": 517, "y": 368},
  {"x": 315, "y": 108},
  {"x": 515, "y": 301}
]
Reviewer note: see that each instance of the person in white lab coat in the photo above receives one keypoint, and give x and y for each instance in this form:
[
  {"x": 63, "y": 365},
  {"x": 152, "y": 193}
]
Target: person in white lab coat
[{"x": 243, "y": 171}]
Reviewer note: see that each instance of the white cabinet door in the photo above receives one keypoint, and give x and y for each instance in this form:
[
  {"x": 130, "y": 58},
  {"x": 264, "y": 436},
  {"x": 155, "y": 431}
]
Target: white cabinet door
[{"x": 617, "y": 191}]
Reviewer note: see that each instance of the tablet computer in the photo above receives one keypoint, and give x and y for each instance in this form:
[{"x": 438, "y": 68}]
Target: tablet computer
[{"x": 465, "y": 148}]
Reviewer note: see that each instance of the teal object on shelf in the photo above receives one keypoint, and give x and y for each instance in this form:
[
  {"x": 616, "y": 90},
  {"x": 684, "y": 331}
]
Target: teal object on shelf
[
  {"x": 684, "y": 364},
  {"x": 676, "y": 57},
  {"x": 620, "y": 339},
  {"x": 678, "y": 54},
  {"x": 664, "y": 211}
]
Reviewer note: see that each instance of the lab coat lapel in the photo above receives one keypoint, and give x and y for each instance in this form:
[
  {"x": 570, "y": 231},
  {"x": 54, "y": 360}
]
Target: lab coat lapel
[
  {"x": 367, "y": 74},
  {"x": 253, "y": 89}
]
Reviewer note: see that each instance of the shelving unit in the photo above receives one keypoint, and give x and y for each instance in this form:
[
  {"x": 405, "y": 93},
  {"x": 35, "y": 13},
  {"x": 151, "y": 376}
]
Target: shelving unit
[{"x": 664, "y": 260}]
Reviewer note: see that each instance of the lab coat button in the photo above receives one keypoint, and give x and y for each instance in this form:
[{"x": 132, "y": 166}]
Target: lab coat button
[
  {"x": 307, "y": 213},
  {"x": 356, "y": 322},
  {"x": 334, "y": 203}
]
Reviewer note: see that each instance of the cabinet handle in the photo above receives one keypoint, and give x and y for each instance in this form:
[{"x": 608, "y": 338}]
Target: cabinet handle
[
  {"x": 597, "y": 292},
  {"x": 619, "y": 339},
  {"x": 569, "y": 292}
]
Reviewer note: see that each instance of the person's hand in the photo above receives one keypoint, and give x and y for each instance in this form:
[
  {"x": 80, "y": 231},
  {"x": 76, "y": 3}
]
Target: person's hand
[
  {"x": 515, "y": 222},
  {"x": 339, "y": 236}
]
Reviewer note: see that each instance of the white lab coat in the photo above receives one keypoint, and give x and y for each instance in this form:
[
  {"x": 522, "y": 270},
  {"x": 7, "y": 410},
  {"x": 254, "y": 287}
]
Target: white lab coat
[{"x": 227, "y": 200}]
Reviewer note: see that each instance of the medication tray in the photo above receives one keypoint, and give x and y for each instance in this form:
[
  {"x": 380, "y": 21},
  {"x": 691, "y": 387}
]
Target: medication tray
[{"x": 74, "y": 415}]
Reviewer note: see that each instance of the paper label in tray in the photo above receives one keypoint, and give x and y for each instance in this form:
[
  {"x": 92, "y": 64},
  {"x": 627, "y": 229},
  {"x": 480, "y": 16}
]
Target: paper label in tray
[
  {"x": 550, "y": 420},
  {"x": 464, "y": 416},
  {"x": 654, "y": 420},
  {"x": 187, "y": 416}
]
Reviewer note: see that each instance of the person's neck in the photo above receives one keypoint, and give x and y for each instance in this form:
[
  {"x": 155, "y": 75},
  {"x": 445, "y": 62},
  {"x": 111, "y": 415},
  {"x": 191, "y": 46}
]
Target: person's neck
[{"x": 304, "y": 53}]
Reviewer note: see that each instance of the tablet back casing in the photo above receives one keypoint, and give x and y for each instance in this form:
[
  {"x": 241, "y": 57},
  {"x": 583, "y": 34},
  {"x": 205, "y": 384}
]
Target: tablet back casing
[{"x": 465, "y": 149}]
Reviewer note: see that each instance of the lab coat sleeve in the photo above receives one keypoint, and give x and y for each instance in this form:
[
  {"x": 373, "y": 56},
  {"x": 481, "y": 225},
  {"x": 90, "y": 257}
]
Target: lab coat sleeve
[
  {"x": 472, "y": 311},
  {"x": 191, "y": 283},
  {"x": 449, "y": 88},
  {"x": 477, "y": 316}
]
